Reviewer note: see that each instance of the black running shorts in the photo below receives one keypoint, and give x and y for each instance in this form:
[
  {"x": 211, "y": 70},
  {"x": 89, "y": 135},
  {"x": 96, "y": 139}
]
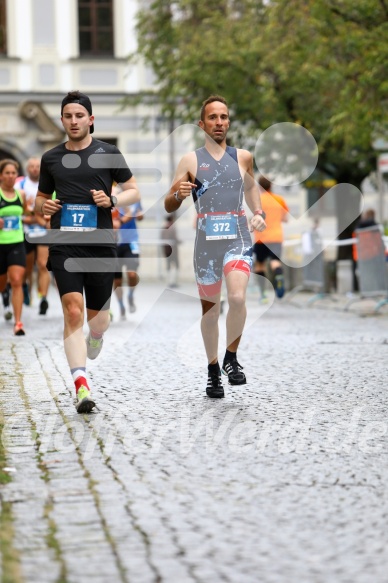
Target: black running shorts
[
  {"x": 126, "y": 258},
  {"x": 12, "y": 254},
  {"x": 267, "y": 251},
  {"x": 97, "y": 285}
]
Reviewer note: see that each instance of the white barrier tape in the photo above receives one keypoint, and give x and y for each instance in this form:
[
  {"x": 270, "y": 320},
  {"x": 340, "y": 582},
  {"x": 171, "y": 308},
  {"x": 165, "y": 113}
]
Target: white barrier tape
[
  {"x": 329, "y": 242},
  {"x": 325, "y": 242},
  {"x": 339, "y": 243}
]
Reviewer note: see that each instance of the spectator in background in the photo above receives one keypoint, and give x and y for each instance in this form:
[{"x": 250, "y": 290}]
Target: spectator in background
[
  {"x": 34, "y": 230},
  {"x": 170, "y": 250},
  {"x": 268, "y": 243},
  {"x": 12, "y": 251},
  {"x": 128, "y": 253},
  {"x": 367, "y": 219},
  {"x": 6, "y": 297}
]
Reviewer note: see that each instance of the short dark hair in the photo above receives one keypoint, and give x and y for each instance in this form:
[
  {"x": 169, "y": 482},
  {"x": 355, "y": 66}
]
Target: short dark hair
[
  {"x": 82, "y": 99},
  {"x": 265, "y": 183},
  {"x": 211, "y": 99},
  {"x": 369, "y": 214}
]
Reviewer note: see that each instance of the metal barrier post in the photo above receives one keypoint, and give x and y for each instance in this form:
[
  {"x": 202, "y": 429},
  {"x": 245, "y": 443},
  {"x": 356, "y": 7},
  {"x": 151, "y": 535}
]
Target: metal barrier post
[{"x": 313, "y": 267}]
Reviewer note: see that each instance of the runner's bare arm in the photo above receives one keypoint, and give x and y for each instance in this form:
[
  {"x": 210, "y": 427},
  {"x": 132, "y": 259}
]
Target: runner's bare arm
[
  {"x": 127, "y": 193},
  {"x": 128, "y": 216},
  {"x": 182, "y": 184},
  {"x": 45, "y": 200},
  {"x": 29, "y": 217},
  {"x": 286, "y": 214},
  {"x": 252, "y": 191}
]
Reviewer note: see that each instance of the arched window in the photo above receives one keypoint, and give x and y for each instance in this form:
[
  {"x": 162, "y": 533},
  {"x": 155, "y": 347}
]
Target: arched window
[{"x": 95, "y": 21}]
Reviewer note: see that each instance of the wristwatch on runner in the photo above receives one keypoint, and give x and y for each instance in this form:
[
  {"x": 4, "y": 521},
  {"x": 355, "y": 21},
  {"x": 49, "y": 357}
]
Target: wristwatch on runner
[
  {"x": 113, "y": 200},
  {"x": 261, "y": 213}
]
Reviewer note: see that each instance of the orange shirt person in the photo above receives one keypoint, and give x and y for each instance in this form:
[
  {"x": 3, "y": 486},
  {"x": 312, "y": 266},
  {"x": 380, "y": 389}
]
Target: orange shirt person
[{"x": 268, "y": 243}]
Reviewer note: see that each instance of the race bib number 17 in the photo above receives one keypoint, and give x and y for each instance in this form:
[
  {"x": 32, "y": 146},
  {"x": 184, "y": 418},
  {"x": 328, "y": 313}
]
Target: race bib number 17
[{"x": 79, "y": 217}]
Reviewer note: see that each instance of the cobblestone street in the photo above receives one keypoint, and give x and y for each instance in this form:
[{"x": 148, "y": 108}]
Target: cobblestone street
[{"x": 283, "y": 481}]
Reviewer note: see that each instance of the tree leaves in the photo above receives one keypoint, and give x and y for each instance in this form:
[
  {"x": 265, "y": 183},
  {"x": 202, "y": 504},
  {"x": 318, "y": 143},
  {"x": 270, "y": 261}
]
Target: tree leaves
[{"x": 319, "y": 63}]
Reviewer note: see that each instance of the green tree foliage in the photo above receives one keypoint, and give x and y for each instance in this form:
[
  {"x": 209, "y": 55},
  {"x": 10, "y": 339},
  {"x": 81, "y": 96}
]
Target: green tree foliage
[
  {"x": 336, "y": 85},
  {"x": 319, "y": 63},
  {"x": 196, "y": 48}
]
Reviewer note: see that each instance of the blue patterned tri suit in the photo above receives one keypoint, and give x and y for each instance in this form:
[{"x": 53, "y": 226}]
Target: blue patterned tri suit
[{"x": 218, "y": 199}]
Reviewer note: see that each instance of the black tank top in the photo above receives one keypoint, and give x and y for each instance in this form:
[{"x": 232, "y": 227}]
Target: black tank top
[{"x": 219, "y": 186}]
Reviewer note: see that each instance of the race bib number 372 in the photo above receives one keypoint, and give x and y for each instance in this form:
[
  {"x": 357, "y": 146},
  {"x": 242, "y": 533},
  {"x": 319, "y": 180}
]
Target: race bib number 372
[
  {"x": 79, "y": 217},
  {"x": 221, "y": 227}
]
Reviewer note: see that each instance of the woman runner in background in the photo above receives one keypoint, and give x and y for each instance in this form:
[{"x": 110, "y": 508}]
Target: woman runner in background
[{"x": 12, "y": 250}]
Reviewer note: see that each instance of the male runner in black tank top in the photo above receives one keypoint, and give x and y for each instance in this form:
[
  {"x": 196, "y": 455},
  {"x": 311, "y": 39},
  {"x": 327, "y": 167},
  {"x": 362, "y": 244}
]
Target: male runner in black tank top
[{"x": 218, "y": 177}]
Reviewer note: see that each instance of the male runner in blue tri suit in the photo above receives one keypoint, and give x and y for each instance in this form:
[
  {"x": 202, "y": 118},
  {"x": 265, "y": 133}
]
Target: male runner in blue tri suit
[{"x": 218, "y": 177}]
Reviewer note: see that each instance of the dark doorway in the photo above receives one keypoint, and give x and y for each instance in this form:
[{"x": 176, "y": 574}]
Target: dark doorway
[{"x": 6, "y": 154}]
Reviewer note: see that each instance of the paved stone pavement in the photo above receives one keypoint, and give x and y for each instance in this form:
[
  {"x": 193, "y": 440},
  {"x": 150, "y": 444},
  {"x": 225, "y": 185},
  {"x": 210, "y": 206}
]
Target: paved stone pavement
[{"x": 283, "y": 481}]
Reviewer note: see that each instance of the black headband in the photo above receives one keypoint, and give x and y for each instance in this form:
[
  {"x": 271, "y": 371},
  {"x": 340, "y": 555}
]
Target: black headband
[{"x": 83, "y": 100}]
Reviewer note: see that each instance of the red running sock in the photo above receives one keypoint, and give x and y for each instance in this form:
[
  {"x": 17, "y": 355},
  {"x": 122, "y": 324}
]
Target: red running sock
[
  {"x": 96, "y": 335},
  {"x": 79, "y": 382}
]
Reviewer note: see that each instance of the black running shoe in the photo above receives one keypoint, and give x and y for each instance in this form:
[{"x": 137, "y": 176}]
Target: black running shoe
[
  {"x": 233, "y": 370},
  {"x": 43, "y": 307},
  {"x": 18, "y": 329},
  {"x": 279, "y": 285},
  {"x": 214, "y": 388},
  {"x": 6, "y": 294},
  {"x": 8, "y": 314},
  {"x": 84, "y": 402},
  {"x": 26, "y": 295}
]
